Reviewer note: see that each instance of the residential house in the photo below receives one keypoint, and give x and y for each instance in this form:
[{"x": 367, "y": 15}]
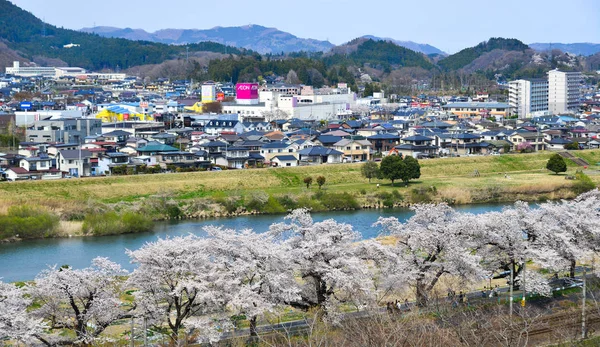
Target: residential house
[
  {"x": 467, "y": 144},
  {"x": 77, "y": 163},
  {"x": 558, "y": 144},
  {"x": 41, "y": 163},
  {"x": 21, "y": 173},
  {"x": 237, "y": 158},
  {"x": 354, "y": 149},
  {"x": 534, "y": 138},
  {"x": 180, "y": 159},
  {"x": 327, "y": 141},
  {"x": 108, "y": 161},
  {"x": 164, "y": 138},
  {"x": 272, "y": 149},
  {"x": 384, "y": 142},
  {"x": 215, "y": 127},
  {"x": 154, "y": 147},
  {"x": 284, "y": 161},
  {"x": 53, "y": 149},
  {"x": 117, "y": 136},
  {"x": 417, "y": 146},
  {"x": 320, "y": 155}
]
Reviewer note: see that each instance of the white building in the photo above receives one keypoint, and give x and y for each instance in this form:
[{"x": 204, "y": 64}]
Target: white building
[
  {"x": 30, "y": 71},
  {"x": 528, "y": 97},
  {"x": 564, "y": 91},
  {"x": 276, "y": 105}
]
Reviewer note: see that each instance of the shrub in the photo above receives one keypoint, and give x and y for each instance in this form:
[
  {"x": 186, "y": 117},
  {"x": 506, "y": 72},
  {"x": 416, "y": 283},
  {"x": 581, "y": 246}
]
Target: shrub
[
  {"x": 583, "y": 183},
  {"x": 28, "y": 222},
  {"x": 273, "y": 206},
  {"x": 308, "y": 181},
  {"x": 572, "y": 146},
  {"x": 257, "y": 201},
  {"x": 321, "y": 181},
  {"x": 112, "y": 223},
  {"x": 312, "y": 204},
  {"x": 288, "y": 202},
  {"x": 338, "y": 201},
  {"x": 420, "y": 196}
]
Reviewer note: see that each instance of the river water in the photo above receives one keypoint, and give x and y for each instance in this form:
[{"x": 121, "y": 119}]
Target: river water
[{"x": 22, "y": 261}]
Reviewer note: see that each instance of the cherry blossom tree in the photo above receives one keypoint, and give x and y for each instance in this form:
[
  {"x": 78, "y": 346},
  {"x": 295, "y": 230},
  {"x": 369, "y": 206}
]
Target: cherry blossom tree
[
  {"x": 261, "y": 270},
  {"x": 84, "y": 301},
  {"x": 15, "y": 322},
  {"x": 571, "y": 228},
  {"x": 509, "y": 238},
  {"x": 431, "y": 244},
  {"x": 178, "y": 283},
  {"x": 323, "y": 254}
]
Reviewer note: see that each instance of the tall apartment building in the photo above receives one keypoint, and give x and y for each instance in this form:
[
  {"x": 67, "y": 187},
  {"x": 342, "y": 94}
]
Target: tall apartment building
[
  {"x": 528, "y": 97},
  {"x": 564, "y": 91}
]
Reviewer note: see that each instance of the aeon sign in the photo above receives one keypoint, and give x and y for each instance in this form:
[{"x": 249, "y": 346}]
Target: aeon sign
[{"x": 246, "y": 91}]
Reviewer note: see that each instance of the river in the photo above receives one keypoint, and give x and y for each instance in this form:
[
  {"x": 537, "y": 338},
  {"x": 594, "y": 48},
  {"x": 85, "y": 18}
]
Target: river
[{"x": 22, "y": 261}]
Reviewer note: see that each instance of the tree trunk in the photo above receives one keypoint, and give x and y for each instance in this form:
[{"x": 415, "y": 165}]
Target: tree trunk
[
  {"x": 253, "y": 331},
  {"x": 321, "y": 290},
  {"x": 421, "y": 293},
  {"x": 392, "y": 183},
  {"x": 572, "y": 268}
]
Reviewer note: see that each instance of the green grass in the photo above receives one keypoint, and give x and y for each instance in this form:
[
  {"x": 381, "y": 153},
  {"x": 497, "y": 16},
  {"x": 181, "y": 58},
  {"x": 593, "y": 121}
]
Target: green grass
[{"x": 452, "y": 177}]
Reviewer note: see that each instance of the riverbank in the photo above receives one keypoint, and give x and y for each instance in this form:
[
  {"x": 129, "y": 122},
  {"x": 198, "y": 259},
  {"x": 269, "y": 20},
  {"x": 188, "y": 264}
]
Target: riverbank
[{"x": 121, "y": 204}]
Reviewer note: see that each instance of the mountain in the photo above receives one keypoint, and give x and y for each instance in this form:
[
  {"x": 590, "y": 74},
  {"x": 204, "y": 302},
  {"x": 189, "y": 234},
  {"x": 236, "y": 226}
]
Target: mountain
[
  {"x": 468, "y": 55},
  {"x": 583, "y": 48},
  {"x": 253, "y": 37},
  {"x": 385, "y": 54},
  {"x": 417, "y": 47},
  {"x": 34, "y": 40}
]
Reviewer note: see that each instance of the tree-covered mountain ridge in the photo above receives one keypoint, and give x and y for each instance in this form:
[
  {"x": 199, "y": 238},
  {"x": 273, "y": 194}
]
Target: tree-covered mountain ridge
[{"x": 35, "y": 40}]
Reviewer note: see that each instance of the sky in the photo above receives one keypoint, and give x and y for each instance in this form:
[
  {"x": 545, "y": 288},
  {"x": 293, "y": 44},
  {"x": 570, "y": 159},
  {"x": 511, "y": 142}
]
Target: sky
[{"x": 449, "y": 25}]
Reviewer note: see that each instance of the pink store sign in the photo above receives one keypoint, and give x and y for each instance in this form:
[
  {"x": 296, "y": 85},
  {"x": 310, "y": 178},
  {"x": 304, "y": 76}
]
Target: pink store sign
[{"x": 246, "y": 91}]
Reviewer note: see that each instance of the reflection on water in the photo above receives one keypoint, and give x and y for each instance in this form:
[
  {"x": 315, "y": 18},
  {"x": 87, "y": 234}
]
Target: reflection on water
[{"x": 23, "y": 260}]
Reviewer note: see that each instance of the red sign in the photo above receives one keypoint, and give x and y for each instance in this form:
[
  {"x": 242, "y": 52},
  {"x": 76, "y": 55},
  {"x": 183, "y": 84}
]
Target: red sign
[
  {"x": 220, "y": 96},
  {"x": 246, "y": 91}
]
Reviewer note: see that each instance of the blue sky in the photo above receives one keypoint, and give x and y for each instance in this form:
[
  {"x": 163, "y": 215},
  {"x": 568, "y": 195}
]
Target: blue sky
[{"x": 447, "y": 24}]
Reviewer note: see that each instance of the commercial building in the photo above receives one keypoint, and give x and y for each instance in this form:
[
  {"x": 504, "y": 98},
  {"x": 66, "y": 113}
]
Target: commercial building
[
  {"x": 272, "y": 104},
  {"x": 474, "y": 109},
  {"x": 564, "y": 91},
  {"x": 67, "y": 130},
  {"x": 528, "y": 97},
  {"x": 30, "y": 71}
]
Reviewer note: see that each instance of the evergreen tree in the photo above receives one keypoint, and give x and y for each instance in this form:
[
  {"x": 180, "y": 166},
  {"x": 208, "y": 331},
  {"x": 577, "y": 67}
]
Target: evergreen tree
[{"x": 556, "y": 164}]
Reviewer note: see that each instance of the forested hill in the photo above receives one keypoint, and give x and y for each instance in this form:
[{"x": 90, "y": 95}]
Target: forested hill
[
  {"x": 28, "y": 35},
  {"x": 377, "y": 53},
  {"x": 468, "y": 55}
]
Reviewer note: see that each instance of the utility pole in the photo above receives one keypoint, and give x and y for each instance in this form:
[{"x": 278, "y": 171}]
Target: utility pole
[
  {"x": 583, "y": 332},
  {"x": 132, "y": 333},
  {"x": 524, "y": 289},
  {"x": 512, "y": 266},
  {"x": 145, "y": 332}
]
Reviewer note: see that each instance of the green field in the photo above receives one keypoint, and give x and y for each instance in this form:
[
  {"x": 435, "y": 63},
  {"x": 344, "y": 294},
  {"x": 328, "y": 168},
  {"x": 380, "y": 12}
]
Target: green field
[{"x": 501, "y": 178}]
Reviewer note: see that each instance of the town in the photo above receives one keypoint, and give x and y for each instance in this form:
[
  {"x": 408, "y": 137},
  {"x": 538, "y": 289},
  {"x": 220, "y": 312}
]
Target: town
[{"x": 65, "y": 122}]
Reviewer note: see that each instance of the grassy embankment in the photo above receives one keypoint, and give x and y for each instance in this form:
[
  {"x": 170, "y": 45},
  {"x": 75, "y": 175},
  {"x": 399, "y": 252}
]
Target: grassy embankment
[{"x": 115, "y": 204}]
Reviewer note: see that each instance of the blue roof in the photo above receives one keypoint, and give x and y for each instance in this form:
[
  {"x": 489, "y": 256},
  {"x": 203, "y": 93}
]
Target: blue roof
[
  {"x": 384, "y": 136},
  {"x": 285, "y": 157},
  {"x": 319, "y": 151},
  {"x": 417, "y": 138},
  {"x": 276, "y": 145},
  {"x": 436, "y": 124},
  {"x": 329, "y": 139}
]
